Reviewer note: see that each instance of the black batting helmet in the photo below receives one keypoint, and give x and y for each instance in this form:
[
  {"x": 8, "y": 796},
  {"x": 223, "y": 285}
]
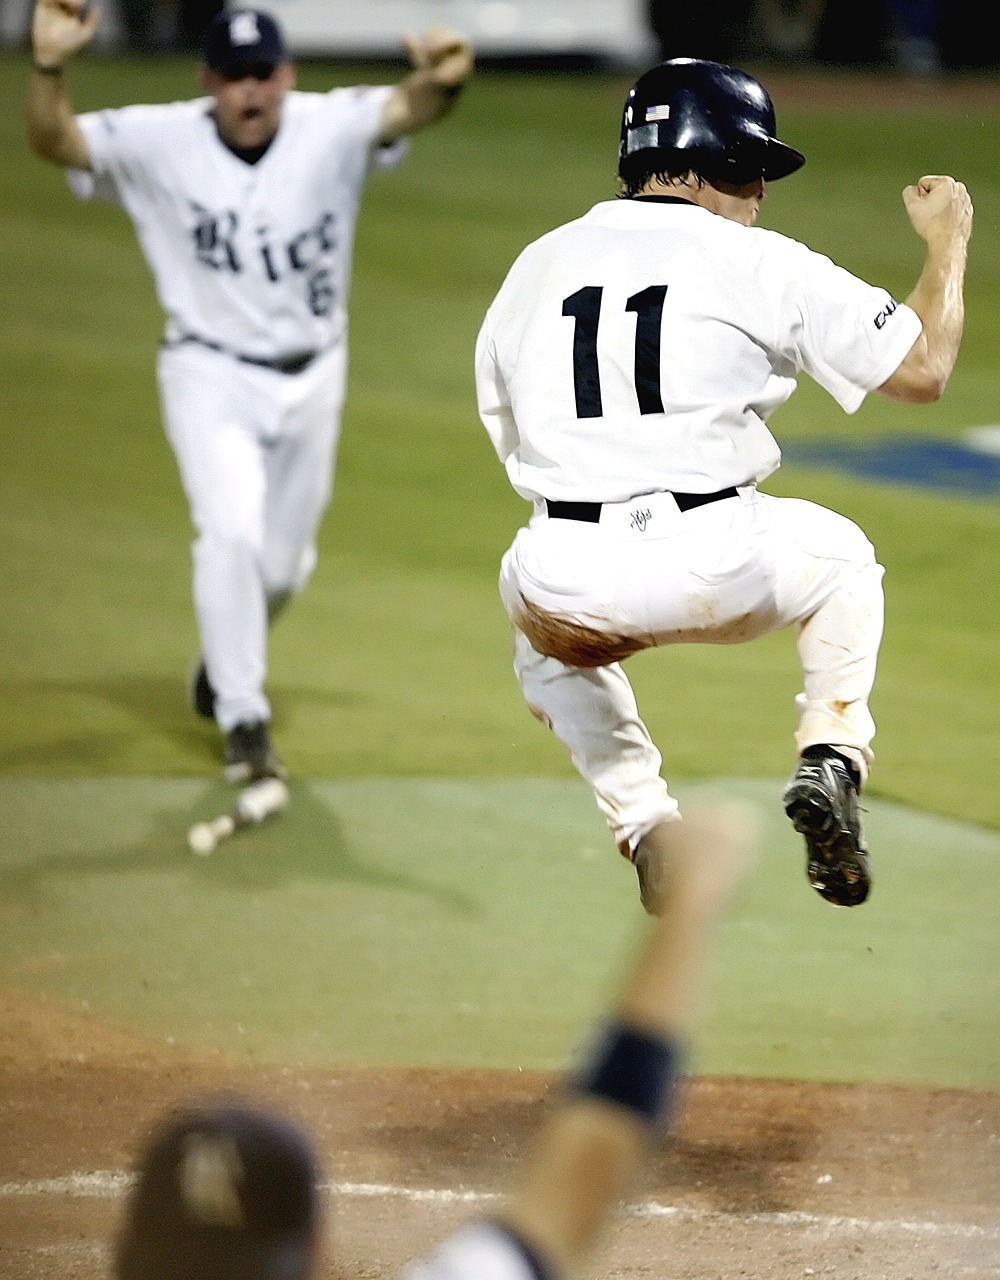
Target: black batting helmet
[{"x": 691, "y": 114}]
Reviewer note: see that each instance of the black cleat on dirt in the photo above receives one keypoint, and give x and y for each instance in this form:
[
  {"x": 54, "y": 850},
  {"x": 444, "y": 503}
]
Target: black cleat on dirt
[
  {"x": 201, "y": 695},
  {"x": 822, "y": 801},
  {"x": 249, "y": 754}
]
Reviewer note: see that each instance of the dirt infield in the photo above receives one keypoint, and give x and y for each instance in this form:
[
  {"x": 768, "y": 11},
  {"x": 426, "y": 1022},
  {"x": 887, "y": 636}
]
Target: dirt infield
[{"x": 762, "y": 1178}]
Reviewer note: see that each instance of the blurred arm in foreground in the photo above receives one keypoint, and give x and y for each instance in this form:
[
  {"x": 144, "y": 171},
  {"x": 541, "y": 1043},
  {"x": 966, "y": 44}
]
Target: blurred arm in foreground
[{"x": 229, "y": 1192}]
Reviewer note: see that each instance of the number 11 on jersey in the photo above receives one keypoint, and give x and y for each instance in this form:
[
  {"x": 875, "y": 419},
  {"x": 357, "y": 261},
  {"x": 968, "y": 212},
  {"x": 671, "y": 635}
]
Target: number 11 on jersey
[{"x": 585, "y": 308}]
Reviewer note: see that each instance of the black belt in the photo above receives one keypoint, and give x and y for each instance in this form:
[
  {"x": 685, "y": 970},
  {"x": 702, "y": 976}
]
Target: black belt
[
  {"x": 590, "y": 512},
  {"x": 287, "y": 364}
]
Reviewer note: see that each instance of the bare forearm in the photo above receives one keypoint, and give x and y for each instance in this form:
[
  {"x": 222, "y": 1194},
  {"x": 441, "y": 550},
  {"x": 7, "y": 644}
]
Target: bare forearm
[
  {"x": 429, "y": 99},
  {"x": 939, "y": 301},
  {"x": 419, "y": 101},
  {"x": 940, "y": 211},
  {"x": 678, "y": 951},
  {"x": 584, "y": 1163},
  {"x": 442, "y": 61},
  {"x": 53, "y": 132},
  {"x": 590, "y": 1149},
  {"x": 700, "y": 859}
]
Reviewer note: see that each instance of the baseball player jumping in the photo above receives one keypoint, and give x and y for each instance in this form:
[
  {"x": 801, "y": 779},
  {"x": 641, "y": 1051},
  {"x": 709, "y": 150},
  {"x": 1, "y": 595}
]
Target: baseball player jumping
[
  {"x": 625, "y": 372},
  {"x": 244, "y": 202}
]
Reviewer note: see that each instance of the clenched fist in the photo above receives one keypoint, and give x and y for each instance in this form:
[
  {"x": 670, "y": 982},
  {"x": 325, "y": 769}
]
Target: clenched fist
[
  {"x": 938, "y": 206},
  {"x": 445, "y": 53}
]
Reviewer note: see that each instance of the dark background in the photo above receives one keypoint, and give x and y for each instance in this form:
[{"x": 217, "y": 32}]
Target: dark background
[
  {"x": 912, "y": 37},
  {"x": 868, "y": 33}
]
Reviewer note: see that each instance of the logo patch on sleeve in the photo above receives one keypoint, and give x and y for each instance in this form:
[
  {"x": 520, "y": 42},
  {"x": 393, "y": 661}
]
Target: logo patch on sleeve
[{"x": 885, "y": 313}]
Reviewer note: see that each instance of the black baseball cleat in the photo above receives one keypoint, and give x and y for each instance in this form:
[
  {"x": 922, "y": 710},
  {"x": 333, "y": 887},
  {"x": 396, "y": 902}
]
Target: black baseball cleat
[
  {"x": 249, "y": 754},
  {"x": 822, "y": 801},
  {"x": 649, "y": 870},
  {"x": 201, "y": 695}
]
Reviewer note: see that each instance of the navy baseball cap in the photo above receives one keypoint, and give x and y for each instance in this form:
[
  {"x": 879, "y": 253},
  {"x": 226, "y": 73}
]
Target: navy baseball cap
[
  {"x": 223, "y": 1192},
  {"x": 242, "y": 36}
]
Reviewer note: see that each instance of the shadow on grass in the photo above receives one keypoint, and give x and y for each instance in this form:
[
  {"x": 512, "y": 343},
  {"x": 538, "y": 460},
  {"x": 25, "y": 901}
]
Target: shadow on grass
[
  {"x": 65, "y": 745},
  {"x": 304, "y": 843}
]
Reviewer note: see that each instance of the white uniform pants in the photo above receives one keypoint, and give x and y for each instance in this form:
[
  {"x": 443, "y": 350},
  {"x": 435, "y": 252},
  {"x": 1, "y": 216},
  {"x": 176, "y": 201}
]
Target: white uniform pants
[
  {"x": 722, "y": 573},
  {"x": 256, "y": 451}
]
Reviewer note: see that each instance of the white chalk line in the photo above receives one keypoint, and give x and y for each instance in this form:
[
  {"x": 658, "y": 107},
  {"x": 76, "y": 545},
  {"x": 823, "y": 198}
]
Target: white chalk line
[{"x": 108, "y": 1185}]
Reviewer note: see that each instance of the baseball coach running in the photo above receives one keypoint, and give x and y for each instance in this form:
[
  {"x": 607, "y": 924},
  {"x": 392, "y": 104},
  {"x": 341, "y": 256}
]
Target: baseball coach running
[{"x": 245, "y": 203}]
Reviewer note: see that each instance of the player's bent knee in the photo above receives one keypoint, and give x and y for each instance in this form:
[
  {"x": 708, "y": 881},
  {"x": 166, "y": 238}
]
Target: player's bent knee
[{"x": 822, "y": 533}]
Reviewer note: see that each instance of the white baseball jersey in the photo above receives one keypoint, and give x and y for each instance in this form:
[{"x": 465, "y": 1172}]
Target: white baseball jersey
[
  {"x": 253, "y": 257},
  {"x": 643, "y": 347},
  {"x": 481, "y": 1251}
]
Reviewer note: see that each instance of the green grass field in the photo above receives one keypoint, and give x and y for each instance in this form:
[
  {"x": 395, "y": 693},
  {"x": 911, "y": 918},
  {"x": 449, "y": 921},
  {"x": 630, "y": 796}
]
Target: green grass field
[{"x": 391, "y": 675}]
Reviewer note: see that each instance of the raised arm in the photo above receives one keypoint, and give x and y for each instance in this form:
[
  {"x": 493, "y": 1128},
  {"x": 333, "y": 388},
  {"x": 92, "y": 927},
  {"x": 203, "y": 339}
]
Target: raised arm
[
  {"x": 442, "y": 61},
  {"x": 59, "y": 29},
  {"x": 940, "y": 212},
  {"x": 591, "y": 1148}
]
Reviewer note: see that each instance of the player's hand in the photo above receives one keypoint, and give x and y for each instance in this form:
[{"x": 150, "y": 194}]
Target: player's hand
[
  {"x": 690, "y": 866},
  {"x": 939, "y": 208},
  {"x": 445, "y": 53},
  {"x": 59, "y": 28},
  {"x": 708, "y": 854}
]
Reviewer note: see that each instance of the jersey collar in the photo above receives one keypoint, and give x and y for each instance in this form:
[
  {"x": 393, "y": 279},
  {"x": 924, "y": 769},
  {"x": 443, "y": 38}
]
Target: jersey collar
[{"x": 662, "y": 200}]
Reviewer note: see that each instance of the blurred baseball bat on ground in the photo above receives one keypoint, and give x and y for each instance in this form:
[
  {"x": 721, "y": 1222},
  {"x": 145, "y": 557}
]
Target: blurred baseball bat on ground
[{"x": 256, "y": 802}]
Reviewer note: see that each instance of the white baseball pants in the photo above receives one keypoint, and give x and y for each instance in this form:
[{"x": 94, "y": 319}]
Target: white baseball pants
[
  {"x": 648, "y": 575},
  {"x": 256, "y": 451}
]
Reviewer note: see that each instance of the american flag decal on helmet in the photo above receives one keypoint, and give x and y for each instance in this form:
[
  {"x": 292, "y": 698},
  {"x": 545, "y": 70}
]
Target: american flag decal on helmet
[{"x": 657, "y": 113}]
